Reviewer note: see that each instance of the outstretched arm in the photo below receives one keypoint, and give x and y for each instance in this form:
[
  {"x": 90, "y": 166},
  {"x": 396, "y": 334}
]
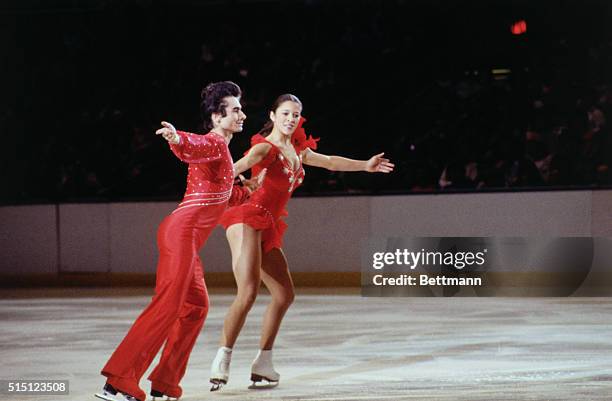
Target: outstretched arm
[
  {"x": 376, "y": 164},
  {"x": 190, "y": 148},
  {"x": 168, "y": 132},
  {"x": 255, "y": 155}
]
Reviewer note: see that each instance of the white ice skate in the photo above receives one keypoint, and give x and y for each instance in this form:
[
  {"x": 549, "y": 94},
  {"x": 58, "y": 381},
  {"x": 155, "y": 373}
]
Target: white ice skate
[
  {"x": 263, "y": 370},
  {"x": 219, "y": 371}
]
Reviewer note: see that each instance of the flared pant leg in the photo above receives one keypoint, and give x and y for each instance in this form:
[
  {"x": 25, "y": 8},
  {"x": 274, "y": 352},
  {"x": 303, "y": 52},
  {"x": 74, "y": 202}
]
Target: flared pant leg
[
  {"x": 173, "y": 363},
  {"x": 179, "y": 291}
]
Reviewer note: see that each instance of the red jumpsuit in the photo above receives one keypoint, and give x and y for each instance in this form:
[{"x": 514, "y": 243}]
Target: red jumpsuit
[
  {"x": 265, "y": 208},
  {"x": 178, "y": 309}
]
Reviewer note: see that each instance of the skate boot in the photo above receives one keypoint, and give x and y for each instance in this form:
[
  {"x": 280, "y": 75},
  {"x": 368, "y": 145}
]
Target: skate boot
[
  {"x": 262, "y": 369},
  {"x": 109, "y": 393},
  {"x": 127, "y": 397},
  {"x": 219, "y": 371},
  {"x": 158, "y": 395},
  {"x": 165, "y": 392}
]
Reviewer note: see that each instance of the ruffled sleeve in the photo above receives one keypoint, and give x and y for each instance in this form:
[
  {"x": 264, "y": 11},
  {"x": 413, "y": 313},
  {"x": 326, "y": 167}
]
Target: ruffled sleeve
[
  {"x": 270, "y": 157},
  {"x": 194, "y": 148},
  {"x": 299, "y": 139}
]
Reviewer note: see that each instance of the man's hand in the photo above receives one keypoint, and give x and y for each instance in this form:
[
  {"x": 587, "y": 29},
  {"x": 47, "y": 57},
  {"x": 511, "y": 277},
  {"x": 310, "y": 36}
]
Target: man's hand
[
  {"x": 169, "y": 133},
  {"x": 253, "y": 184}
]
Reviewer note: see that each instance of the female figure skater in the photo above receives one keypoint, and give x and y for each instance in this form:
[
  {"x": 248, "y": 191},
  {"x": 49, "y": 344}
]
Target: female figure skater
[
  {"x": 178, "y": 309},
  {"x": 255, "y": 229}
]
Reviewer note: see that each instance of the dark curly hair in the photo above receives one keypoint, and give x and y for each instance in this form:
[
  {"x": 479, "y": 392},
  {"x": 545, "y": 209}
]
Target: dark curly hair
[
  {"x": 211, "y": 100},
  {"x": 267, "y": 128}
]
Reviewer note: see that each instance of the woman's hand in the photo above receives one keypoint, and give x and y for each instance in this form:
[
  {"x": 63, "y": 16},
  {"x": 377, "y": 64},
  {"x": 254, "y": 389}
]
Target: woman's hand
[
  {"x": 378, "y": 164},
  {"x": 169, "y": 133}
]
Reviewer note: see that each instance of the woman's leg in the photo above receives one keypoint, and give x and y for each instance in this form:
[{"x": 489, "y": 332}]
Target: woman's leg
[
  {"x": 276, "y": 277},
  {"x": 245, "y": 244}
]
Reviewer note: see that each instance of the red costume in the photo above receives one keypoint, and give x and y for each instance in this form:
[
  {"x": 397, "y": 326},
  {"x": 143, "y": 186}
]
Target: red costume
[
  {"x": 179, "y": 307},
  {"x": 265, "y": 208}
]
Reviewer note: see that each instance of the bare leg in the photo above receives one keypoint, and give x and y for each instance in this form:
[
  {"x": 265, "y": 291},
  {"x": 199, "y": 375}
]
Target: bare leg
[
  {"x": 245, "y": 244},
  {"x": 276, "y": 277}
]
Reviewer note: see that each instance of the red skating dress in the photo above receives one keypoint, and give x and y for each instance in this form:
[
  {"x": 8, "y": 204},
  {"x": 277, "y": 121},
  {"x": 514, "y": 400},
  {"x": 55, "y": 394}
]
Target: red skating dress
[{"x": 265, "y": 209}]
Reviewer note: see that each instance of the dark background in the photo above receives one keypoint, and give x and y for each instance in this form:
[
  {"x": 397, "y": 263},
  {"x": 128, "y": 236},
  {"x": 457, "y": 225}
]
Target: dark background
[{"x": 86, "y": 83}]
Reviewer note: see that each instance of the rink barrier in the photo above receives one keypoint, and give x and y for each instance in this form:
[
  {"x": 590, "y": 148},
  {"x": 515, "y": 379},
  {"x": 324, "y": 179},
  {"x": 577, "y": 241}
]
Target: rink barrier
[
  {"x": 215, "y": 279},
  {"x": 77, "y": 244}
]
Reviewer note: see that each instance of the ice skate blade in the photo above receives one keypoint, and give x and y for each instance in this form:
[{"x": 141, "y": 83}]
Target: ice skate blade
[
  {"x": 217, "y": 384},
  {"x": 261, "y": 382},
  {"x": 106, "y": 397}
]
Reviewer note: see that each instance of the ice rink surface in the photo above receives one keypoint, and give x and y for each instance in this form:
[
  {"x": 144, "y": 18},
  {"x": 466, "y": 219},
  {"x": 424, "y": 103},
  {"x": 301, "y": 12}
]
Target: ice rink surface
[{"x": 339, "y": 347}]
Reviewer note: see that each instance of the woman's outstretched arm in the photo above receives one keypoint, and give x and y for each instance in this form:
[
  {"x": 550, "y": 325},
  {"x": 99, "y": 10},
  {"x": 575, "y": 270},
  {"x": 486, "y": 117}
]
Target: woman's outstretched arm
[{"x": 375, "y": 164}]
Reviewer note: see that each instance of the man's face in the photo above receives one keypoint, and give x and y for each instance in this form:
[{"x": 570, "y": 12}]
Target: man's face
[{"x": 234, "y": 117}]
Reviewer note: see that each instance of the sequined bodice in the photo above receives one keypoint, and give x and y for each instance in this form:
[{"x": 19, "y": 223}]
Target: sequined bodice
[
  {"x": 211, "y": 173},
  {"x": 280, "y": 181}
]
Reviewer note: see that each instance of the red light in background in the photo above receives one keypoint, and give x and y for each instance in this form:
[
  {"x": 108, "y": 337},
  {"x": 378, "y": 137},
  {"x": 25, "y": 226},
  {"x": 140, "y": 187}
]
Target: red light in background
[{"x": 519, "y": 27}]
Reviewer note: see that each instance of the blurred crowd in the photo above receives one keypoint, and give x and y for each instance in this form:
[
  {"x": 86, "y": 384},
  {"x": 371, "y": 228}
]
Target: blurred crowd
[{"x": 456, "y": 106}]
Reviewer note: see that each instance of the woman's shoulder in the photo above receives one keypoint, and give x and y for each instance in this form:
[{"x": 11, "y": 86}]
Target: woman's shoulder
[
  {"x": 260, "y": 145},
  {"x": 261, "y": 142}
]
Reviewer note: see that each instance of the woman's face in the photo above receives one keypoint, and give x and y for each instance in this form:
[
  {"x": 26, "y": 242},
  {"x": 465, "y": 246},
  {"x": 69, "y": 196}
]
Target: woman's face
[{"x": 286, "y": 117}]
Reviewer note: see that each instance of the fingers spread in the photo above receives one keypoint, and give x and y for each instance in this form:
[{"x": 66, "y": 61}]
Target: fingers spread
[{"x": 262, "y": 175}]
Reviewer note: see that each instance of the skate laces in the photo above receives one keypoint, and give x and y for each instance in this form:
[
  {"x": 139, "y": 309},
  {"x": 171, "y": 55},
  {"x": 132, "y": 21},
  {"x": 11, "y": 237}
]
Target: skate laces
[
  {"x": 221, "y": 363},
  {"x": 226, "y": 358},
  {"x": 225, "y": 361}
]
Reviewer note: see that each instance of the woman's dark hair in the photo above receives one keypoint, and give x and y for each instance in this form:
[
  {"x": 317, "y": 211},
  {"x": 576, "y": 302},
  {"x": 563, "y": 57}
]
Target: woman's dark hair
[
  {"x": 267, "y": 128},
  {"x": 211, "y": 100}
]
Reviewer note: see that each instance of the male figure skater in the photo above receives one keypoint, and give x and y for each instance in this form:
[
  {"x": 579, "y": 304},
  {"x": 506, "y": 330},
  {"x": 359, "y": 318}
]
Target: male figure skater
[{"x": 179, "y": 307}]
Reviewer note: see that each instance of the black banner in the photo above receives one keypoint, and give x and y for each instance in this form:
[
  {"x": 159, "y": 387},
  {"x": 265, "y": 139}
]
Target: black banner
[{"x": 487, "y": 266}]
